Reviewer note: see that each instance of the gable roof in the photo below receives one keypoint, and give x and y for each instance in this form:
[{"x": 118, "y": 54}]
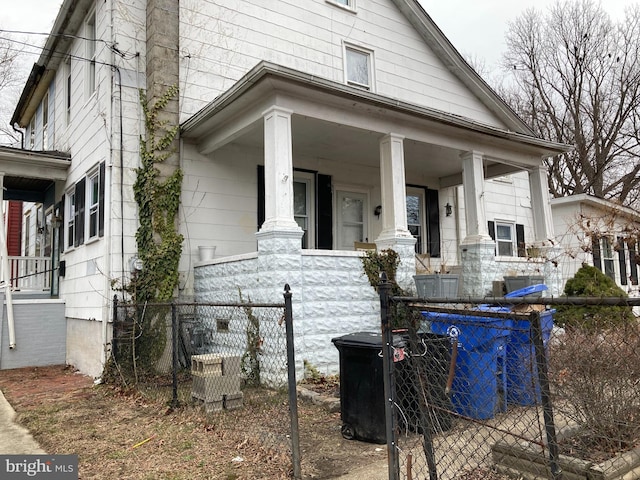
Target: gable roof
[{"x": 449, "y": 55}]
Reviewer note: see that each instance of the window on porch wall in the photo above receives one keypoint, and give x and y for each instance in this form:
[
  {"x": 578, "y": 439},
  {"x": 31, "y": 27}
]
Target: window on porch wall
[
  {"x": 303, "y": 211},
  {"x": 423, "y": 219},
  {"x": 509, "y": 238},
  {"x": 317, "y": 191}
]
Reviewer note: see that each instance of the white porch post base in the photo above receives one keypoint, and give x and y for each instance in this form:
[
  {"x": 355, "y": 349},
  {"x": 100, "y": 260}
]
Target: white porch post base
[
  {"x": 478, "y": 268},
  {"x": 279, "y": 262},
  {"x": 552, "y": 275},
  {"x": 405, "y": 247}
]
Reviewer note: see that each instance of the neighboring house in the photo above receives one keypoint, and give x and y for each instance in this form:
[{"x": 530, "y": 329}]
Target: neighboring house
[
  {"x": 305, "y": 127},
  {"x": 600, "y": 233}
]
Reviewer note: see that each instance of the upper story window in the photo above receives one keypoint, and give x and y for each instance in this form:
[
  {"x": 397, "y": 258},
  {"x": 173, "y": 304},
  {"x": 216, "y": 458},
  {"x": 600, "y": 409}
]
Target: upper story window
[
  {"x": 358, "y": 67},
  {"x": 90, "y": 35},
  {"x": 347, "y": 3},
  {"x": 32, "y": 133},
  {"x": 67, "y": 90},
  {"x": 45, "y": 122}
]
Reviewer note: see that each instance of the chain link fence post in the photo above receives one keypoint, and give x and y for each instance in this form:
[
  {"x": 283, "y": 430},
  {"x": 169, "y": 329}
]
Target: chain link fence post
[
  {"x": 384, "y": 289},
  {"x": 545, "y": 394},
  {"x": 174, "y": 354},
  {"x": 293, "y": 394}
]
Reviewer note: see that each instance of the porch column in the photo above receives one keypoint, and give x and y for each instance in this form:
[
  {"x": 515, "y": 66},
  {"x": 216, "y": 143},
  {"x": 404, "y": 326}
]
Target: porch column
[
  {"x": 543, "y": 229},
  {"x": 542, "y": 216},
  {"x": 477, "y": 250},
  {"x": 395, "y": 234},
  {"x": 279, "y": 259},
  {"x": 278, "y": 172},
  {"x": 473, "y": 184}
]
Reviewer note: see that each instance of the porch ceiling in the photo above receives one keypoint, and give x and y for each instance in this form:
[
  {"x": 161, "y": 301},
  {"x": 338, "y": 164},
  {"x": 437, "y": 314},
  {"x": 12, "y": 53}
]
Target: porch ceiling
[
  {"x": 28, "y": 174},
  {"x": 315, "y": 138}
]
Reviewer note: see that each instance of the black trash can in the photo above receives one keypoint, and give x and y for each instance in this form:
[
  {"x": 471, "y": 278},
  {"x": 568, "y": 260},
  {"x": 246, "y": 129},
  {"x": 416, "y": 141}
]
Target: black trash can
[
  {"x": 362, "y": 402},
  {"x": 362, "y": 405}
]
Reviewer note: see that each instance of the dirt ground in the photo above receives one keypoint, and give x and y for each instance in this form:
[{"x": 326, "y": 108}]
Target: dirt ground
[{"x": 127, "y": 436}]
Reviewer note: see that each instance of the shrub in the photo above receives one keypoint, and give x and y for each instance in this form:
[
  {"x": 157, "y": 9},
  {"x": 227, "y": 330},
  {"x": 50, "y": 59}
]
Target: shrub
[
  {"x": 591, "y": 282},
  {"x": 595, "y": 374}
]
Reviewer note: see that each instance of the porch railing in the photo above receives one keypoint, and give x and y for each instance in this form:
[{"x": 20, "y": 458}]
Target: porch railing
[{"x": 30, "y": 273}]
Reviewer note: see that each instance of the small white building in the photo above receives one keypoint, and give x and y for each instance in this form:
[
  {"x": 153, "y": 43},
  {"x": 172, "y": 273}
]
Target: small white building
[
  {"x": 305, "y": 128},
  {"x": 600, "y": 233}
]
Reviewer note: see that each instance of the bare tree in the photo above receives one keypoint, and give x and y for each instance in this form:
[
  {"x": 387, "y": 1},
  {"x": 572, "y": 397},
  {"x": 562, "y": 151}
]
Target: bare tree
[
  {"x": 577, "y": 81},
  {"x": 11, "y": 74}
]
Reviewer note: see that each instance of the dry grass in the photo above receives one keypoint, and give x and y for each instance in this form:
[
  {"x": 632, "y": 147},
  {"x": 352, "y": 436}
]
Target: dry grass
[{"x": 128, "y": 436}]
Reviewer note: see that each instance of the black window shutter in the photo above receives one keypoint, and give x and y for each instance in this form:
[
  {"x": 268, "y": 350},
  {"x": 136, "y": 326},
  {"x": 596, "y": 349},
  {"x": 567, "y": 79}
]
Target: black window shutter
[
  {"x": 633, "y": 266},
  {"x": 101, "y": 200},
  {"x": 433, "y": 223},
  {"x": 491, "y": 225},
  {"x": 622, "y": 259},
  {"x": 260, "y": 196},
  {"x": 522, "y": 247},
  {"x": 324, "y": 213},
  {"x": 63, "y": 225},
  {"x": 595, "y": 252},
  {"x": 79, "y": 215}
]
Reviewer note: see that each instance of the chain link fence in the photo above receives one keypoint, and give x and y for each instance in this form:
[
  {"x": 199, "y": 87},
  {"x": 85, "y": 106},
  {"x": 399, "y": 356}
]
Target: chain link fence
[
  {"x": 525, "y": 388},
  {"x": 221, "y": 357}
]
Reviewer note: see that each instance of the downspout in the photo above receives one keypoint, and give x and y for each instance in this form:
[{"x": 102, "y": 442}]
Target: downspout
[
  {"x": 5, "y": 271},
  {"x": 21, "y": 135},
  {"x": 107, "y": 201}
]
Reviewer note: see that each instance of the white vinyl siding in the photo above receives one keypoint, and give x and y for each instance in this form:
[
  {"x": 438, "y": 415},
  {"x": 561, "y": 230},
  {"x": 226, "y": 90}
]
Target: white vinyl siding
[{"x": 308, "y": 36}]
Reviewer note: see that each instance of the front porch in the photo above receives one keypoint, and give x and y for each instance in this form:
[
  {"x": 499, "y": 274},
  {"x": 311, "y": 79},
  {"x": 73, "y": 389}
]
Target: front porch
[{"x": 309, "y": 168}]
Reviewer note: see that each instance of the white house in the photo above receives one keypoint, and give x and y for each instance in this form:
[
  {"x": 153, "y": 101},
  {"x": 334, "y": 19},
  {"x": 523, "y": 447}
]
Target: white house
[
  {"x": 600, "y": 233},
  {"x": 305, "y": 127}
]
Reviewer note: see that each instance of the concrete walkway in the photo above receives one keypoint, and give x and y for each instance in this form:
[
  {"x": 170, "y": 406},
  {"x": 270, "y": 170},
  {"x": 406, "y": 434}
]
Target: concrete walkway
[{"x": 14, "y": 439}]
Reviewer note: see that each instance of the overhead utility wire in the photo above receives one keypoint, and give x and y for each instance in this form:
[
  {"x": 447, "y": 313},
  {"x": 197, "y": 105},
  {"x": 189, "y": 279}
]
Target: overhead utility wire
[
  {"x": 110, "y": 46},
  {"x": 62, "y": 56}
]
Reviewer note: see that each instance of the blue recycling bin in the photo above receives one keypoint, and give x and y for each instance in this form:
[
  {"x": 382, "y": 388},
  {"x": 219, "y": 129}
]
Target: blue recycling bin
[
  {"x": 479, "y": 384},
  {"x": 523, "y": 387}
]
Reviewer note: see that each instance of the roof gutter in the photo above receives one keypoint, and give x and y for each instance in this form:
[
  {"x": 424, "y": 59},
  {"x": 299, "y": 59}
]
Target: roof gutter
[{"x": 265, "y": 70}]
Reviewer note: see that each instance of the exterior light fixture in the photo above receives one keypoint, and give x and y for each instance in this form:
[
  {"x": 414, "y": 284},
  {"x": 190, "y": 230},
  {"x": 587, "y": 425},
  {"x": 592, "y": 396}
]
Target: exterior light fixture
[{"x": 448, "y": 209}]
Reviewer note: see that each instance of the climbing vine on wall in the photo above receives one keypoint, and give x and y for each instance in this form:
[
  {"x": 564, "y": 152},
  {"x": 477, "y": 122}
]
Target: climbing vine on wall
[{"x": 158, "y": 199}]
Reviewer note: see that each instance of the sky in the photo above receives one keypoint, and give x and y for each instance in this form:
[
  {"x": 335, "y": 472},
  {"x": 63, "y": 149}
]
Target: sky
[{"x": 476, "y": 28}]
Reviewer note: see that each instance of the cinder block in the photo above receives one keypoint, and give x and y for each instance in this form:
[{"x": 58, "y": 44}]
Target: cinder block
[
  {"x": 233, "y": 400},
  {"x": 211, "y": 405},
  {"x": 208, "y": 363},
  {"x": 231, "y": 365},
  {"x": 206, "y": 387}
]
